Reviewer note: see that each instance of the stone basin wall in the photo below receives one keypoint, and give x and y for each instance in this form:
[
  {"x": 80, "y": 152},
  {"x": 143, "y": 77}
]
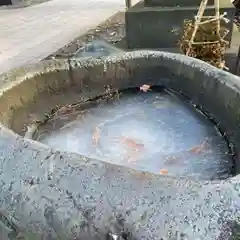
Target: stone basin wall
[
  {"x": 47, "y": 194},
  {"x": 216, "y": 92}
]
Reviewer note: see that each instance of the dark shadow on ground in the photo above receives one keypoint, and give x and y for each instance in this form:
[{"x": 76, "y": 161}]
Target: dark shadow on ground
[
  {"x": 231, "y": 62},
  {"x": 22, "y": 4}
]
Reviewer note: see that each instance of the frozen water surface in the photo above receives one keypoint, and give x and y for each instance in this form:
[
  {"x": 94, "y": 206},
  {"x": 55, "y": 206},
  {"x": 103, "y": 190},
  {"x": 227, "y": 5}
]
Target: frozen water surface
[{"x": 154, "y": 131}]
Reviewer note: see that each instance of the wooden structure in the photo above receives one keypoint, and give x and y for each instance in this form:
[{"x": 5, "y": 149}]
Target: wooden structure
[{"x": 205, "y": 38}]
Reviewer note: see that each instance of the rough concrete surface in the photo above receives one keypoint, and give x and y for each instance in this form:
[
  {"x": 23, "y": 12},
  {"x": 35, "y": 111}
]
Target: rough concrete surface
[{"x": 49, "y": 194}]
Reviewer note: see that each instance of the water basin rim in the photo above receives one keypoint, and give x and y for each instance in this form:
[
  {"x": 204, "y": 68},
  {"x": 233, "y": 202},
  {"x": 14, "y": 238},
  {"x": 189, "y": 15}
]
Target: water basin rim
[
  {"x": 28, "y": 72},
  {"x": 116, "y": 94},
  {"x": 51, "y": 171},
  {"x": 18, "y": 75}
]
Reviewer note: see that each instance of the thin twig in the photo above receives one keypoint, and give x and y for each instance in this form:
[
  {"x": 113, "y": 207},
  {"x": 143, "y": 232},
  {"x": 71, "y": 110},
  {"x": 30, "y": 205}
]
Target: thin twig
[
  {"x": 31, "y": 130},
  {"x": 225, "y": 34},
  {"x": 226, "y": 68},
  {"x": 224, "y": 14},
  {"x": 205, "y": 43},
  {"x": 212, "y": 20}
]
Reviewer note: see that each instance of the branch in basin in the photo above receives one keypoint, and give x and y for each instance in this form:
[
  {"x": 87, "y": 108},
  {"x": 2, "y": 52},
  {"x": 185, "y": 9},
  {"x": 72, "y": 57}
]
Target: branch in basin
[{"x": 31, "y": 130}]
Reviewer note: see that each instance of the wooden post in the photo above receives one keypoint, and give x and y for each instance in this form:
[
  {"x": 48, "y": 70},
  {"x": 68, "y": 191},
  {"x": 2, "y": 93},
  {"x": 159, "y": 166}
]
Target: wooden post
[
  {"x": 5, "y": 2},
  {"x": 128, "y": 4},
  {"x": 237, "y": 66},
  {"x": 218, "y": 17}
]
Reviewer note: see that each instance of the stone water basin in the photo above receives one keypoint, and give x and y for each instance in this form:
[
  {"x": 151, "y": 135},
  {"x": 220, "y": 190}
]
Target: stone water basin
[
  {"x": 144, "y": 165},
  {"x": 154, "y": 131}
]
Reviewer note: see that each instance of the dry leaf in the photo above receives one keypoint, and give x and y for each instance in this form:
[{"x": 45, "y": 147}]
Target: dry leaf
[
  {"x": 163, "y": 171},
  {"x": 145, "y": 88},
  {"x": 198, "y": 149},
  {"x": 64, "y": 110},
  {"x": 96, "y": 136},
  {"x": 132, "y": 144},
  {"x": 133, "y": 148}
]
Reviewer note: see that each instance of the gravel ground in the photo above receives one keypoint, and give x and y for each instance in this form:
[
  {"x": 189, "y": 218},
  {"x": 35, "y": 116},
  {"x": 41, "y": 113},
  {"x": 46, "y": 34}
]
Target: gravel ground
[{"x": 111, "y": 31}]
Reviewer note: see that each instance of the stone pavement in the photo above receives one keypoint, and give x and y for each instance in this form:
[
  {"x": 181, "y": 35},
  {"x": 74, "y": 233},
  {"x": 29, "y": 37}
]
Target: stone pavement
[{"x": 28, "y": 35}]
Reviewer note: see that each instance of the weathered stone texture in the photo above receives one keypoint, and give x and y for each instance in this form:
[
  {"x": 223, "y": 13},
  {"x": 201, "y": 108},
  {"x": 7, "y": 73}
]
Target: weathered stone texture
[{"x": 48, "y": 194}]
